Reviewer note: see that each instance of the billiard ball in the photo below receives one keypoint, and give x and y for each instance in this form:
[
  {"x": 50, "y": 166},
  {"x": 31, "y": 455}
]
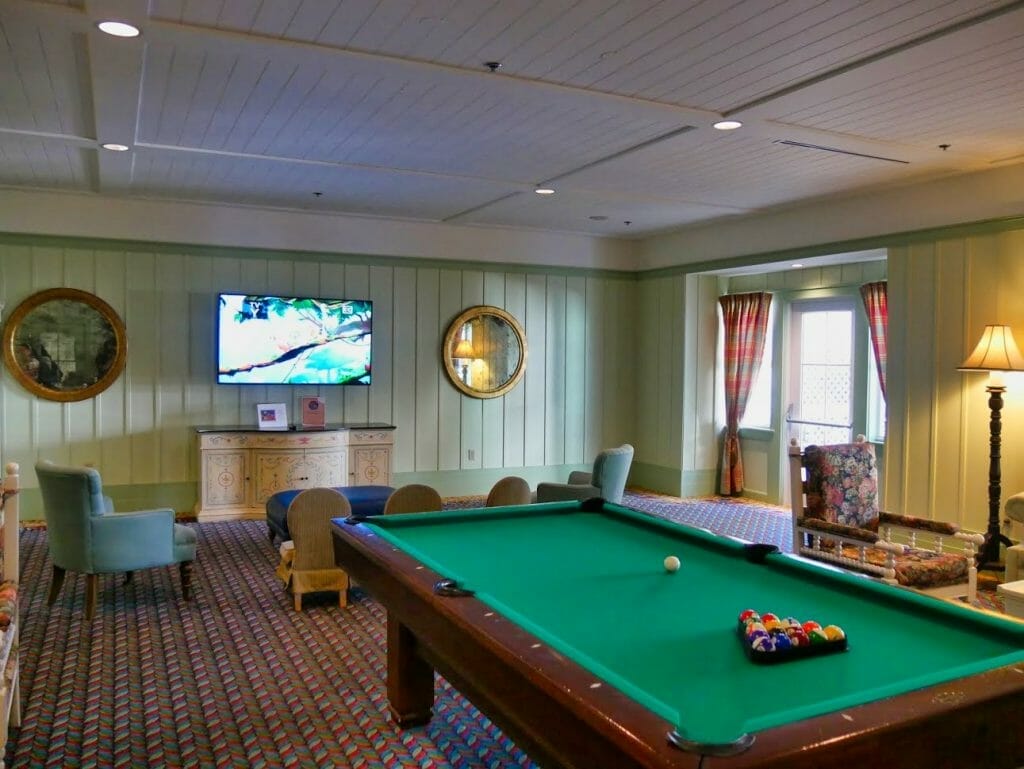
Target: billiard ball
[
  {"x": 672, "y": 563},
  {"x": 747, "y": 614},
  {"x": 834, "y": 633}
]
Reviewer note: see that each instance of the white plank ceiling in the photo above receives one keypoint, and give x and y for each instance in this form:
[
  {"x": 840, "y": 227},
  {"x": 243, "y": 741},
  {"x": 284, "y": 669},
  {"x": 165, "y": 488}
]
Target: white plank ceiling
[{"x": 387, "y": 107}]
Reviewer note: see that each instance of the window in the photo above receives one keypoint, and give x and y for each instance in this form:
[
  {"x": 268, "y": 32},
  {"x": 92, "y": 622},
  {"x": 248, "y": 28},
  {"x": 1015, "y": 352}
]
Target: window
[{"x": 821, "y": 371}]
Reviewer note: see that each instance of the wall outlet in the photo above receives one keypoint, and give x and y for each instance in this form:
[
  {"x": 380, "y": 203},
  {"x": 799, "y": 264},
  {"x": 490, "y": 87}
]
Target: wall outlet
[{"x": 470, "y": 454}]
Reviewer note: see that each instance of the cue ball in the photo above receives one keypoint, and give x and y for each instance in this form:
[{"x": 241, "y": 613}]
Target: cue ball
[{"x": 672, "y": 563}]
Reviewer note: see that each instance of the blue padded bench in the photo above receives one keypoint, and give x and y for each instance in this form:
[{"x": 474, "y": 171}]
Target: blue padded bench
[{"x": 365, "y": 500}]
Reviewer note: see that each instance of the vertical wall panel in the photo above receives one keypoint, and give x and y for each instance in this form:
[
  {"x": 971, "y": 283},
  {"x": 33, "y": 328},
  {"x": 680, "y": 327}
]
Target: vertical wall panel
[
  {"x": 648, "y": 353},
  {"x": 18, "y": 418},
  {"x": 471, "y": 409},
  {"x": 595, "y": 390},
  {"x": 172, "y": 346},
  {"x": 948, "y": 415},
  {"x": 575, "y": 371},
  {"x": 404, "y": 369},
  {"x": 382, "y": 380},
  {"x": 428, "y": 342},
  {"x": 80, "y": 416},
  {"x": 143, "y": 367},
  {"x": 514, "y": 402},
  {"x": 554, "y": 343},
  {"x": 492, "y": 418},
  {"x": 536, "y": 372},
  {"x": 449, "y": 401},
  {"x": 50, "y": 437}
]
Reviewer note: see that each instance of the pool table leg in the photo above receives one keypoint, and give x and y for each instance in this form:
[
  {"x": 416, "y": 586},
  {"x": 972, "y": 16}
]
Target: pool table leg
[{"x": 410, "y": 678}]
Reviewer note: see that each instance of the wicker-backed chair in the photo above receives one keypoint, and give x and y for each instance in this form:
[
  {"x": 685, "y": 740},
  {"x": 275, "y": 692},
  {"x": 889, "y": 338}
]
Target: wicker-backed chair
[
  {"x": 836, "y": 519},
  {"x": 510, "y": 490},
  {"x": 310, "y": 566},
  {"x": 413, "y": 498}
]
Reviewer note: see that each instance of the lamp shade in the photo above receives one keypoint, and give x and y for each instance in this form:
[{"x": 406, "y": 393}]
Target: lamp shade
[
  {"x": 464, "y": 349},
  {"x": 997, "y": 351}
]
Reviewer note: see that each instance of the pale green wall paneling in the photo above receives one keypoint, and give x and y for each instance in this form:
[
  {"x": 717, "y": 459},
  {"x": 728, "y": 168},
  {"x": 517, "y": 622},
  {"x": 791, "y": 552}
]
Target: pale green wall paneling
[
  {"x": 514, "y": 402},
  {"x": 576, "y": 371},
  {"x": 471, "y": 409},
  {"x": 449, "y": 400},
  {"x": 404, "y": 367},
  {"x": 535, "y": 377},
  {"x": 594, "y": 387},
  {"x": 427, "y": 352},
  {"x": 139, "y": 432},
  {"x": 941, "y": 295},
  {"x": 554, "y": 367},
  {"x": 492, "y": 421}
]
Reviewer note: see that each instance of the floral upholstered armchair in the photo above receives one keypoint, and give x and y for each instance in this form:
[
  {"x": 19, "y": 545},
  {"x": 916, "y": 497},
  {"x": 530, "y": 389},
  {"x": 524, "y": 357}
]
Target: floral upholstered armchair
[{"x": 836, "y": 519}]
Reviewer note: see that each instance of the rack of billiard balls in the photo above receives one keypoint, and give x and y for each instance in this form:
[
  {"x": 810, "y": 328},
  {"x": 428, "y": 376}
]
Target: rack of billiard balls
[{"x": 769, "y": 638}]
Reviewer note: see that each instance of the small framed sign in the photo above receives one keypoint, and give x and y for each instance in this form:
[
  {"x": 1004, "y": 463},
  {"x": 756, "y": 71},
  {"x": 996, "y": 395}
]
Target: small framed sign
[
  {"x": 271, "y": 416},
  {"x": 314, "y": 413}
]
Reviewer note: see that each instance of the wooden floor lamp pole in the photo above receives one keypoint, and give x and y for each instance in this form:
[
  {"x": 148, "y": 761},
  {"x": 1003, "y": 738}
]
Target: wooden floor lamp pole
[{"x": 994, "y": 537}]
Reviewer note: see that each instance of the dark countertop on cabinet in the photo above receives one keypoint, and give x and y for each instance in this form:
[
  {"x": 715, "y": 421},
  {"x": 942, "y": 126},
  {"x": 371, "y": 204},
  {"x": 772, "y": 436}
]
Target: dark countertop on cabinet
[{"x": 294, "y": 428}]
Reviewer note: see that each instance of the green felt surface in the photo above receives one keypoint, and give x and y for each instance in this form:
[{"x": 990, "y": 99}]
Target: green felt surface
[{"x": 593, "y": 586}]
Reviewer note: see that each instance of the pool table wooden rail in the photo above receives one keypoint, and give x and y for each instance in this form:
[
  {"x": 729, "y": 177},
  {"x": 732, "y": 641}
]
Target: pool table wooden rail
[{"x": 564, "y": 716}]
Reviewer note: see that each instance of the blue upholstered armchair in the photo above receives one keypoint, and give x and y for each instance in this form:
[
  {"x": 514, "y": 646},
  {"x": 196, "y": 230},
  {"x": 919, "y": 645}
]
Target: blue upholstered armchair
[
  {"x": 608, "y": 479},
  {"x": 86, "y": 535}
]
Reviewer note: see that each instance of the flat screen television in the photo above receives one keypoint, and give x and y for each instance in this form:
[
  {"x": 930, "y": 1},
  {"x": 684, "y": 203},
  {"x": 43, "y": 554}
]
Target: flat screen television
[{"x": 265, "y": 339}]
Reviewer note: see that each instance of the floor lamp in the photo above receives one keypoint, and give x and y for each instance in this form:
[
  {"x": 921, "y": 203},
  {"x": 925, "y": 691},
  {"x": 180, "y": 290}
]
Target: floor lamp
[{"x": 995, "y": 353}]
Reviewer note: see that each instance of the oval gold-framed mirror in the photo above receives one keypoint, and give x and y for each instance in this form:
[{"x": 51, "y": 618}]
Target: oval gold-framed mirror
[
  {"x": 485, "y": 352},
  {"x": 64, "y": 344}
]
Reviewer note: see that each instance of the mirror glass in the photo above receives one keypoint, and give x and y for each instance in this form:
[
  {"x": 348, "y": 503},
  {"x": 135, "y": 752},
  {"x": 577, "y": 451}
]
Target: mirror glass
[
  {"x": 485, "y": 352},
  {"x": 64, "y": 344}
]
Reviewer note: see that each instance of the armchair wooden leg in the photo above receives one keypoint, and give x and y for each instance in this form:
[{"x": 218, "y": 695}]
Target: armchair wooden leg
[
  {"x": 185, "y": 569},
  {"x": 128, "y": 576},
  {"x": 55, "y": 584},
  {"x": 298, "y": 602},
  {"x": 91, "y": 585}
]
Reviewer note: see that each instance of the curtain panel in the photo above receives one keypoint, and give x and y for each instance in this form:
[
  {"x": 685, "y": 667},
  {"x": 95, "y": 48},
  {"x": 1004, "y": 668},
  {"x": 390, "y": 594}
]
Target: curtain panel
[
  {"x": 745, "y": 325},
  {"x": 877, "y": 308}
]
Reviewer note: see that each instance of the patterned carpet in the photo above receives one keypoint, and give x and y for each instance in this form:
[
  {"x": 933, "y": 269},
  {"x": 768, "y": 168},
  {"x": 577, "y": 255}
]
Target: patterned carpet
[{"x": 236, "y": 678}]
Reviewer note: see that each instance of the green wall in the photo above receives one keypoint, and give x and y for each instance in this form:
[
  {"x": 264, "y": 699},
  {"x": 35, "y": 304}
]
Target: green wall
[{"x": 577, "y": 395}]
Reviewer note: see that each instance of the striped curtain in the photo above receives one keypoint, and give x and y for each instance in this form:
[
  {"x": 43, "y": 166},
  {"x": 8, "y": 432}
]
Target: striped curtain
[
  {"x": 877, "y": 307},
  {"x": 745, "y": 322}
]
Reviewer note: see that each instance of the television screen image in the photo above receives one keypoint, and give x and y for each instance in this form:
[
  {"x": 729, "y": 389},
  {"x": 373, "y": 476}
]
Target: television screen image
[{"x": 264, "y": 339}]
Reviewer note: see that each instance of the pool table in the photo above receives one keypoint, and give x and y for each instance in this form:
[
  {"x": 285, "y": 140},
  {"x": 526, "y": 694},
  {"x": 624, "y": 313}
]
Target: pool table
[{"x": 561, "y": 623}]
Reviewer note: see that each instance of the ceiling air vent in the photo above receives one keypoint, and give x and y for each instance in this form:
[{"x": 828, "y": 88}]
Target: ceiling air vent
[{"x": 823, "y": 148}]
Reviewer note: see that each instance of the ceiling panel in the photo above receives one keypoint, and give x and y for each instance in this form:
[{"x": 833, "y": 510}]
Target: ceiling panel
[
  {"x": 42, "y": 77},
  {"x": 970, "y": 100},
  {"x": 386, "y": 107},
  {"x": 39, "y": 163},
  {"x": 263, "y": 182}
]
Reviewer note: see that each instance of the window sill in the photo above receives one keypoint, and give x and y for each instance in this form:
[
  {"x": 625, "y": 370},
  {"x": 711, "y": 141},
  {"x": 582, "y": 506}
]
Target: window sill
[{"x": 757, "y": 433}]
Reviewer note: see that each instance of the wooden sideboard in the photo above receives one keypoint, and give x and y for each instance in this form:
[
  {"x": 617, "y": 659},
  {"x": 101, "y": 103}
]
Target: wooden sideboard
[{"x": 239, "y": 468}]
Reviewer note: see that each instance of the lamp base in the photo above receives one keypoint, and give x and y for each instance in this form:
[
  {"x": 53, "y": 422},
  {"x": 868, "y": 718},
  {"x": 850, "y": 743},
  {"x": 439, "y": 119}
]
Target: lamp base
[{"x": 988, "y": 553}]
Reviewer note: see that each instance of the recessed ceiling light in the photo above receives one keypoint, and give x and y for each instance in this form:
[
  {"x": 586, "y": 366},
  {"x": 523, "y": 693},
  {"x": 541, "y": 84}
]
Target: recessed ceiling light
[
  {"x": 115, "y": 147},
  {"x": 727, "y": 125},
  {"x": 796, "y": 265},
  {"x": 118, "y": 28},
  {"x": 544, "y": 191}
]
